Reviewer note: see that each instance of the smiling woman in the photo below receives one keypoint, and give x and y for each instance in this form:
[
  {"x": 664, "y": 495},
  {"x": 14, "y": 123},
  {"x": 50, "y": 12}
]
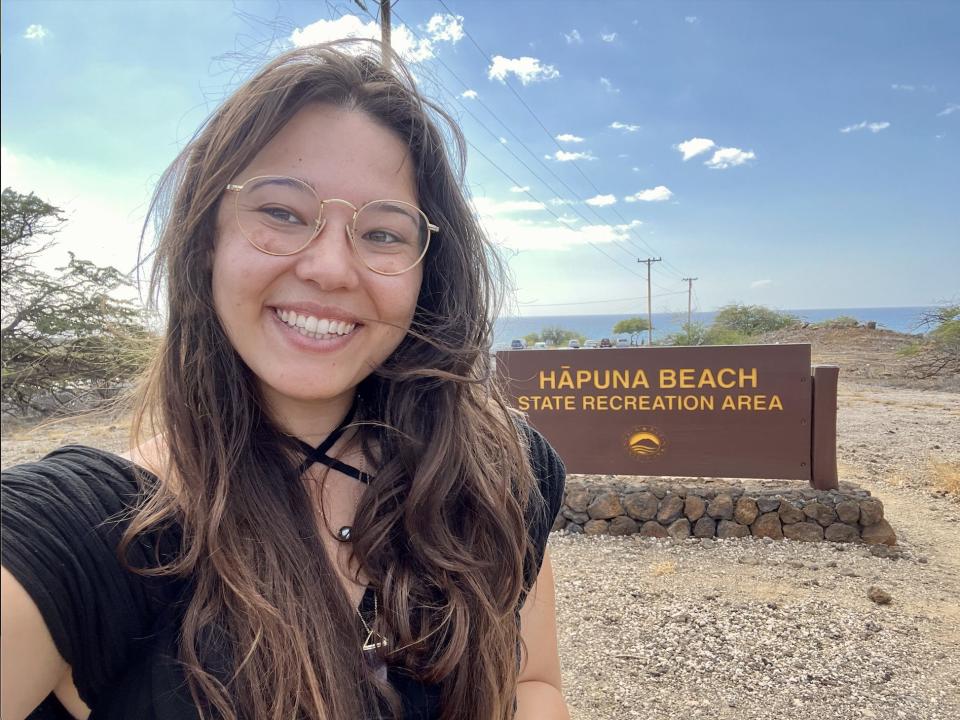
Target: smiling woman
[{"x": 328, "y": 510}]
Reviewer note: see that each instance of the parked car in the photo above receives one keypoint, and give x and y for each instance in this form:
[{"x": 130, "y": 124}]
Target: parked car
[
  {"x": 517, "y": 345},
  {"x": 591, "y": 344},
  {"x": 606, "y": 343},
  {"x": 574, "y": 345},
  {"x": 623, "y": 342},
  {"x": 540, "y": 345}
]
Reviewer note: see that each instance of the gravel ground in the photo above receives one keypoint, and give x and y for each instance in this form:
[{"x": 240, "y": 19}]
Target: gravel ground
[
  {"x": 749, "y": 629},
  {"x": 724, "y": 629}
]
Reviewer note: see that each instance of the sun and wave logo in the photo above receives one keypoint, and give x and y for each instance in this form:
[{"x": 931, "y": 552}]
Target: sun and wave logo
[{"x": 645, "y": 443}]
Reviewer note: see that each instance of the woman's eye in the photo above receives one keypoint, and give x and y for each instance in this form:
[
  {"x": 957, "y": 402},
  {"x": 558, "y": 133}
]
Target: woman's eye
[
  {"x": 281, "y": 215},
  {"x": 384, "y": 237}
]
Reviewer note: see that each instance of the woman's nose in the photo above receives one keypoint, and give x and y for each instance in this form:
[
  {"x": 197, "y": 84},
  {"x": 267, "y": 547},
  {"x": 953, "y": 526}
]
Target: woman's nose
[{"x": 329, "y": 260}]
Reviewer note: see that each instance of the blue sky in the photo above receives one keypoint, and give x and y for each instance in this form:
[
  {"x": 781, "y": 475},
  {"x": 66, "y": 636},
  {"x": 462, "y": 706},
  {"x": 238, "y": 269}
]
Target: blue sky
[{"x": 798, "y": 155}]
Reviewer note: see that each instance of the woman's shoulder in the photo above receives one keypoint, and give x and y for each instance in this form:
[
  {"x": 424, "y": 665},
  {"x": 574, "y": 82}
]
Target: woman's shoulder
[
  {"x": 546, "y": 463},
  {"x": 76, "y": 466}
]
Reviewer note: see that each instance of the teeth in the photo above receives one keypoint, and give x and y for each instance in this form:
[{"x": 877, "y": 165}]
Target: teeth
[{"x": 311, "y": 326}]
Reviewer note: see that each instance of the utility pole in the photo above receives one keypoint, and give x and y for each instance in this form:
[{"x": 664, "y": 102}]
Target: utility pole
[
  {"x": 689, "y": 282},
  {"x": 649, "y": 262},
  {"x": 385, "y": 6},
  {"x": 385, "y": 31}
]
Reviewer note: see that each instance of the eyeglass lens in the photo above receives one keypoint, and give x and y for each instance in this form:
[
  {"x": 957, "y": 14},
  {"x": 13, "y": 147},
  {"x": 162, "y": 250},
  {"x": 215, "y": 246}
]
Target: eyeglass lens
[{"x": 280, "y": 216}]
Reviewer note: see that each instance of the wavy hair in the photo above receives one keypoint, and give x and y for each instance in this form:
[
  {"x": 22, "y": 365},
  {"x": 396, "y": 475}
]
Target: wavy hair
[{"x": 442, "y": 528}]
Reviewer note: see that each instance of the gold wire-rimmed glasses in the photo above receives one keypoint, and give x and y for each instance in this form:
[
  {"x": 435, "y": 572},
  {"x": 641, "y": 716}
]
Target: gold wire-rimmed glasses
[{"x": 281, "y": 215}]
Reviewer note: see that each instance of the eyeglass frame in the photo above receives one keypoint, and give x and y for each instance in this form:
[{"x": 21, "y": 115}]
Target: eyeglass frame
[{"x": 321, "y": 222}]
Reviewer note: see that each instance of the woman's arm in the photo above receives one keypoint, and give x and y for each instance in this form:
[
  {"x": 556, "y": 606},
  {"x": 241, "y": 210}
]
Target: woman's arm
[
  {"x": 539, "y": 693},
  {"x": 30, "y": 666}
]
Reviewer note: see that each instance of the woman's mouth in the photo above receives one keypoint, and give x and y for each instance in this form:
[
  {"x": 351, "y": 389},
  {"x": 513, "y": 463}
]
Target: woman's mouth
[{"x": 315, "y": 327}]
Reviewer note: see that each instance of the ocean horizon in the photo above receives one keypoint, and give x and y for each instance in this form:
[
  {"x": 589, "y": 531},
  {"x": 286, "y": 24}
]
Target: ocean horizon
[{"x": 595, "y": 327}]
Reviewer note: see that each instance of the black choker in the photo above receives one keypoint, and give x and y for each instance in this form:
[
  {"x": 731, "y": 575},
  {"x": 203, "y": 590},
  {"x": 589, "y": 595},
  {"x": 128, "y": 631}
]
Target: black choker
[{"x": 319, "y": 455}]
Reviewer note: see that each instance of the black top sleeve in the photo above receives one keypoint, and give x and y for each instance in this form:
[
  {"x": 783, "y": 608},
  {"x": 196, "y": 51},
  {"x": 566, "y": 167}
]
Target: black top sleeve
[
  {"x": 551, "y": 476},
  {"x": 60, "y": 532}
]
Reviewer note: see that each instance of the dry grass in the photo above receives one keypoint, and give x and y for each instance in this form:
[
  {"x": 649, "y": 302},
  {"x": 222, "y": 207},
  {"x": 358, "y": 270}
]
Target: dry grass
[
  {"x": 946, "y": 476},
  {"x": 664, "y": 568}
]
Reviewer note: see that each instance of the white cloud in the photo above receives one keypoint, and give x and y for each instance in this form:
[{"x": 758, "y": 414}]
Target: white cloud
[
  {"x": 489, "y": 206},
  {"x": 601, "y": 200},
  {"x": 608, "y": 86},
  {"x": 550, "y": 234},
  {"x": 503, "y": 140},
  {"x": 573, "y": 38},
  {"x": 949, "y": 110},
  {"x": 761, "y": 283},
  {"x": 564, "y": 156},
  {"x": 527, "y": 69},
  {"x": 691, "y": 19},
  {"x": 568, "y": 219},
  {"x": 446, "y": 28},
  {"x": 729, "y": 157},
  {"x": 567, "y": 137},
  {"x": 518, "y": 189},
  {"x": 608, "y": 37},
  {"x": 635, "y": 168},
  {"x": 104, "y": 211},
  {"x": 898, "y": 86},
  {"x": 873, "y": 127},
  {"x": 35, "y": 32},
  {"x": 626, "y": 127},
  {"x": 657, "y": 194},
  {"x": 694, "y": 146},
  {"x": 559, "y": 201},
  {"x": 440, "y": 29},
  {"x": 469, "y": 94}
]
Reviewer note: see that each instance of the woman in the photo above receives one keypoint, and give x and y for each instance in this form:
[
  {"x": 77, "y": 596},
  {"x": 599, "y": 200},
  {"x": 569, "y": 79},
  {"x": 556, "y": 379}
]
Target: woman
[{"x": 337, "y": 516}]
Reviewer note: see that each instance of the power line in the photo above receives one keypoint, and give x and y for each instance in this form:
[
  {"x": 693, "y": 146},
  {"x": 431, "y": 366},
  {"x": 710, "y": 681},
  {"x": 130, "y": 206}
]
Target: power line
[
  {"x": 553, "y": 139},
  {"x": 507, "y": 175},
  {"x": 597, "y": 302},
  {"x": 534, "y": 155}
]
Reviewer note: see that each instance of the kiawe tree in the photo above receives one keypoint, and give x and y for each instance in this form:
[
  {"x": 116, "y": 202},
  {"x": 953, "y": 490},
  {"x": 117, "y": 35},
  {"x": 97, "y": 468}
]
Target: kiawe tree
[{"x": 64, "y": 335}]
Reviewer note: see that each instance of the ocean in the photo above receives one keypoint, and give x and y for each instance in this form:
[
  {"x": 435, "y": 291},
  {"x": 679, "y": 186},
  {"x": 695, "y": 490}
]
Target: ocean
[{"x": 594, "y": 327}]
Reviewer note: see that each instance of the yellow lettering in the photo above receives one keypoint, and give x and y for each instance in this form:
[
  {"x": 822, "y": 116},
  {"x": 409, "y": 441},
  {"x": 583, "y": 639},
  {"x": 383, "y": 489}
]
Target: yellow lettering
[
  {"x": 759, "y": 402},
  {"x": 707, "y": 379},
  {"x": 726, "y": 372},
  {"x": 615, "y": 402},
  {"x": 566, "y": 379},
  {"x": 544, "y": 378},
  {"x": 606, "y": 379},
  {"x": 743, "y": 402},
  {"x": 728, "y": 403},
  {"x": 751, "y": 376},
  {"x": 644, "y": 402},
  {"x": 775, "y": 403},
  {"x": 706, "y": 402},
  {"x": 658, "y": 403},
  {"x": 523, "y": 402},
  {"x": 630, "y": 402},
  {"x": 587, "y": 402},
  {"x": 668, "y": 378},
  {"x": 686, "y": 378},
  {"x": 621, "y": 378},
  {"x": 640, "y": 379},
  {"x": 583, "y": 378}
]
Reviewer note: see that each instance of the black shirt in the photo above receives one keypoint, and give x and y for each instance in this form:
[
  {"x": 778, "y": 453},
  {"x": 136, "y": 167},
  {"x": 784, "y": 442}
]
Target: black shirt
[{"x": 118, "y": 630}]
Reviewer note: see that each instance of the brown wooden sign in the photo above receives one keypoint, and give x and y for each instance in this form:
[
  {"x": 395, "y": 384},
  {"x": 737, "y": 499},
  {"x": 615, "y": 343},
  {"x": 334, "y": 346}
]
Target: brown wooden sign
[{"x": 725, "y": 411}]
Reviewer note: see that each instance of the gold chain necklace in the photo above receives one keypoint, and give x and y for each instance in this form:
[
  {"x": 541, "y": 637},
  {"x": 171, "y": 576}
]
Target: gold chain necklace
[{"x": 374, "y": 639}]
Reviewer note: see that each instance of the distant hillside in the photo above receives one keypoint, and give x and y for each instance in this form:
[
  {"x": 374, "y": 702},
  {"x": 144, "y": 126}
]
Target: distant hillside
[{"x": 860, "y": 352}]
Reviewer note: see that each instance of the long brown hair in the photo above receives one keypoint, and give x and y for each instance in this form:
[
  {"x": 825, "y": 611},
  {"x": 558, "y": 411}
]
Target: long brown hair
[{"x": 441, "y": 529}]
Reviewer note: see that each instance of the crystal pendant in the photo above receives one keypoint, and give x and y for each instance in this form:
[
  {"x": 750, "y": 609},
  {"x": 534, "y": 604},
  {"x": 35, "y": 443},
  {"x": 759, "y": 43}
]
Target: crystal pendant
[{"x": 343, "y": 535}]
